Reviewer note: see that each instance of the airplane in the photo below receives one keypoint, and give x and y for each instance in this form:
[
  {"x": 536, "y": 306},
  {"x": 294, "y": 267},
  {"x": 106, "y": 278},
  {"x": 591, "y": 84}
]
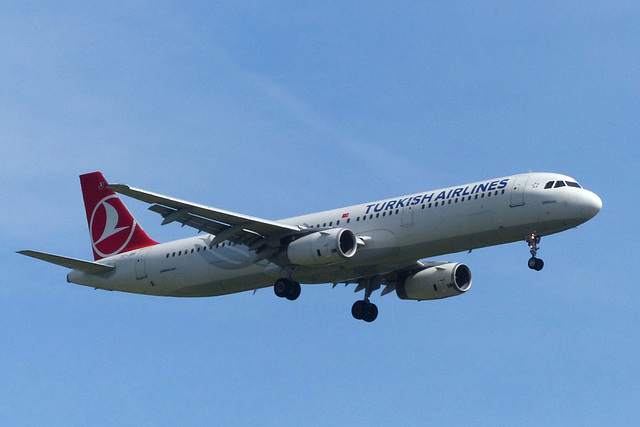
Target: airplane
[{"x": 371, "y": 245}]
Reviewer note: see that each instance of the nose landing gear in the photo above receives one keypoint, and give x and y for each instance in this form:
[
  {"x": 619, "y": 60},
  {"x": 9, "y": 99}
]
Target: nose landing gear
[{"x": 534, "y": 263}]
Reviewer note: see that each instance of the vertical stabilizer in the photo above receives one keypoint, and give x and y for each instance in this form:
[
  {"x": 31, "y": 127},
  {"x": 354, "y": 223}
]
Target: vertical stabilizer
[{"x": 112, "y": 228}]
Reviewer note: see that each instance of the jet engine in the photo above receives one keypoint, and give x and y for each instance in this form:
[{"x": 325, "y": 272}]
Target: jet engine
[
  {"x": 442, "y": 281},
  {"x": 322, "y": 247}
]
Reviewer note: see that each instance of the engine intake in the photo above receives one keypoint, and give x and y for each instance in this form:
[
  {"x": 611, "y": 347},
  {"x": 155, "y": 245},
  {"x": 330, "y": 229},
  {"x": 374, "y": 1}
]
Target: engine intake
[
  {"x": 322, "y": 247},
  {"x": 446, "y": 280}
]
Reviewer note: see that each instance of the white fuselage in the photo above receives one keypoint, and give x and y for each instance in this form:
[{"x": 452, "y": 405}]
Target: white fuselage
[{"x": 393, "y": 233}]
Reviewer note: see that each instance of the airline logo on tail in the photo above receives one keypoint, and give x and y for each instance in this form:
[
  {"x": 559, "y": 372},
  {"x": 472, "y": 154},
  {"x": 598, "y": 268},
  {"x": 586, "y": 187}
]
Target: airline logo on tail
[
  {"x": 106, "y": 237},
  {"x": 111, "y": 226}
]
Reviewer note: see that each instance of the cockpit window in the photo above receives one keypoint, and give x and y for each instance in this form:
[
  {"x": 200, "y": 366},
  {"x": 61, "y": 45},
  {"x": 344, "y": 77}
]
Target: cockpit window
[{"x": 559, "y": 184}]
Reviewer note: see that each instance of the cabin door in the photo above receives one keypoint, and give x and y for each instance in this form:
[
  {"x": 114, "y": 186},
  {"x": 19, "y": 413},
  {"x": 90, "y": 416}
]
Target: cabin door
[{"x": 517, "y": 190}]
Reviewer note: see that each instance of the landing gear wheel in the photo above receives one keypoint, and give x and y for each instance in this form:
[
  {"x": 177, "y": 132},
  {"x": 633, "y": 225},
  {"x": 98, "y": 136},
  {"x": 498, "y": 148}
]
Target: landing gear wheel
[
  {"x": 535, "y": 263},
  {"x": 364, "y": 310},
  {"x": 285, "y": 288},
  {"x": 359, "y": 310},
  {"x": 372, "y": 313},
  {"x": 280, "y": 287},
  {"x": 293, "y": 292}
]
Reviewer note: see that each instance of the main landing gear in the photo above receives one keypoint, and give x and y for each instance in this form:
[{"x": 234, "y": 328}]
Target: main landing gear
[
  {"x": 534, "y": 263},
  {"x": 366, "y": 310},
  {"x": 287, "y": 288},
  {"x": 361, "y": 310}
]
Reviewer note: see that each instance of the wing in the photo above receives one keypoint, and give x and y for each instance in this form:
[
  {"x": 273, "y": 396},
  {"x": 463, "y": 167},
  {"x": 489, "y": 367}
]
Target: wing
[
  {"x": 254, "y": 232},
  {"x": 72, "y": 263}
]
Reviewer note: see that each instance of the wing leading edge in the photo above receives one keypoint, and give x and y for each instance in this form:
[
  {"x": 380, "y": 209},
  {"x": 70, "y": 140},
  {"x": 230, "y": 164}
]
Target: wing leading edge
[{"x": 237, "y": 228}]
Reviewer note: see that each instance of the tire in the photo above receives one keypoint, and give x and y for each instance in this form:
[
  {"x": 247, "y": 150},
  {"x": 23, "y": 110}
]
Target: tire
[
  {"x": 293, "y": 291},
  {"x": 359, "y": 310},
  {"x": 280, "y": 287},
  {"x": 372, "y": 313}
]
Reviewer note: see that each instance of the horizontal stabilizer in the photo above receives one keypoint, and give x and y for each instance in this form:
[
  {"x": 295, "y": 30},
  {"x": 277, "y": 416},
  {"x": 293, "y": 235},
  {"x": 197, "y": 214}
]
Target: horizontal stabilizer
[{"x": 72, "y": 263}]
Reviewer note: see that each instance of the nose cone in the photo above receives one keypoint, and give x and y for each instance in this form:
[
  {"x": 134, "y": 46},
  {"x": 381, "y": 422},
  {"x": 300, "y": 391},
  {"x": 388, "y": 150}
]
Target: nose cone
[{"x": 590, "y": 204}]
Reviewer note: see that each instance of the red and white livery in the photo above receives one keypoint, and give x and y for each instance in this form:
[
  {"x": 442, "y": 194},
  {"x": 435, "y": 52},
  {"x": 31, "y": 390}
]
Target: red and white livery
[{"x": 371, "y": 245}]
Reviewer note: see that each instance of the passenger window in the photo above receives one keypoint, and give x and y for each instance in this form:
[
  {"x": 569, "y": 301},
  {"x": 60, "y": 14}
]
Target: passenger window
[
  {"x": 348, "y": 220},
  {"x": 548, "y": 185},
  {"x": 559, "y": 184}
]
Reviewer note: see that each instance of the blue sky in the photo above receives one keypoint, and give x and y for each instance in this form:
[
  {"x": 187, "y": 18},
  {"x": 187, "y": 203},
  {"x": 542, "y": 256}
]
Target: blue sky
[{"x": 280, "y": 109}]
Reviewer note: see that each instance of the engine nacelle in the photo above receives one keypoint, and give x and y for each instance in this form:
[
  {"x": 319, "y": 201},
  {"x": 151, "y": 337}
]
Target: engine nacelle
[
  {"x": 322, "y": 247},
  {"x": 446, "y": 280}
]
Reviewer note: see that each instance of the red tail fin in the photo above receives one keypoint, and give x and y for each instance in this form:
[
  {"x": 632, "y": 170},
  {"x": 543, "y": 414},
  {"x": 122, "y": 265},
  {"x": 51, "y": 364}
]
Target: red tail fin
[{"x": 111, "y": 226}]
